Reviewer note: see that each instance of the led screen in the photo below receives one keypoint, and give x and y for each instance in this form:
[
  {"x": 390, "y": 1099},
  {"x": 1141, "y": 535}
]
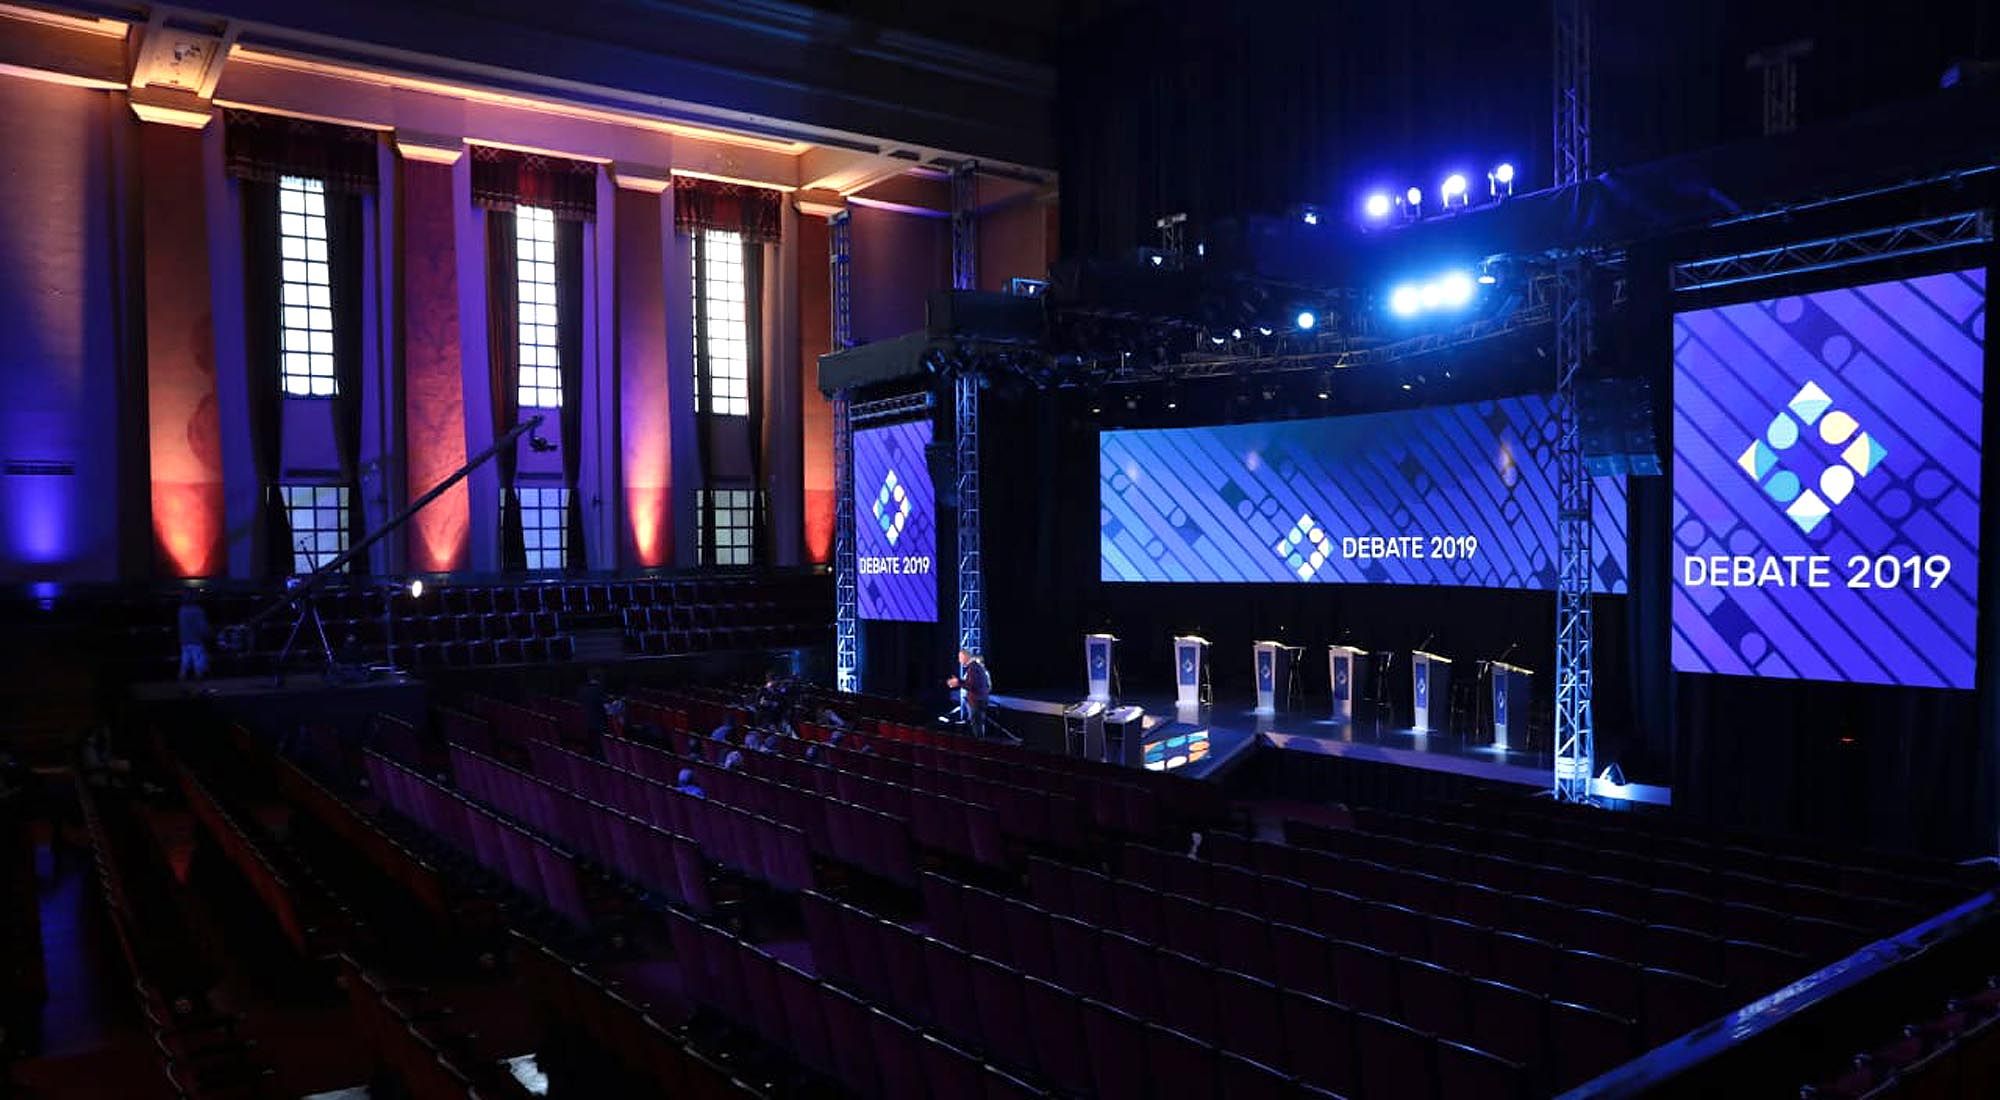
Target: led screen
[
  {"x": 1826, "y": 484},
  {"x": 1454, "y": 495},
  {"x": 895, "y": 523}
]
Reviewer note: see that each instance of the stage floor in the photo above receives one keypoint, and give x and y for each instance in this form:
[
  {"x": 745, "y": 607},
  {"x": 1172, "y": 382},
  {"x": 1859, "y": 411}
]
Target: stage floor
[{"x": 1234, "y": 727}]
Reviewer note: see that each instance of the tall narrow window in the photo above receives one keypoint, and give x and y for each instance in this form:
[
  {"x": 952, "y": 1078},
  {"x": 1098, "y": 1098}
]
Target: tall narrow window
[
  {"x": 305, "y": 296},
  {"x": 545, "y": 525},
  {"x": 318, "y": 515},
  {"x": 728, "y": 526},
  {"x": 541, "y": 358},
  {"x": 721, "y": 328}
]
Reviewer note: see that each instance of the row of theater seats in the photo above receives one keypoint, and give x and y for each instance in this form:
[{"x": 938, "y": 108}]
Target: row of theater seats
[
  {"x": 666, "y": 643},
  {"x": 595, "y": 1038},
  {"x": 869, "y": 1050},
  {"x": 311, "y": 917},
  {"x": 534, "y": 867},
  {"x": 1748, "y": 966},
  {"x": 870, "y": 840},
  {"x": 201, "y": 1053},
  {"x": 1954, "y": 1054},
  {"x": 663, "y": 863},
  {"x": 414, "y": 1041},
  {"x": 750, "y": 844},
  {"x": 484, "y": 654},
  {"x": 1635, "y": 981},
  {"x": 1872, "y": 889},
  {"x": 1037, "y": 1024},
  {"x": 1702, "y": 897}
]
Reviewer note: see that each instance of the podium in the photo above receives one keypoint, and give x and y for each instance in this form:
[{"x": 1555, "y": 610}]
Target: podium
[
  {"x": 1273, "y": 663},
  {"x": 1083, "y": 726},
  {"x": 1430, "y": 679},
  {"x": 1347, "y": 668},
  {"x": 1513, "y": 689},
  {"x": 1099, "y": 659},
  {"x": 1190, "y": 670}
]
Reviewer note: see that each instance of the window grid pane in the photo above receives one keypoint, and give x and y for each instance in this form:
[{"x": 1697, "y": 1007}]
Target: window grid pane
[
  {"x": 535, "y": 275},
  {"x": 728, "y": 526},
  {"x": 722, "y": 344},
  {"x": 318, "y": 515},
  {"x": 305, "y": 290},
  {"x": 545, "y": 526}
]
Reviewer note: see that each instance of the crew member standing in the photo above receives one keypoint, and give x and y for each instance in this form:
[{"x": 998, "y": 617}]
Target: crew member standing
[{"x": 974, "y": 686}]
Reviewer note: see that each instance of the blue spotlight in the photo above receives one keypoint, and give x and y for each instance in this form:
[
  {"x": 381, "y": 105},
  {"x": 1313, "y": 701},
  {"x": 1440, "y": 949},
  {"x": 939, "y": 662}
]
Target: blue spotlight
[
  {"x": 1414, "y": 196},
  {"x": 1455, "y": 289},
  {"x": 1500, "y": 181},
  {"x": 1311, "y": 217},
  {"x": 1306, "y": 320},
  {"x": 1376, "y": 206},
  {"x": 1504, "y": 174},
  {"x": 1454, "y": 189},
  {"x": 1405, "y": 301}
]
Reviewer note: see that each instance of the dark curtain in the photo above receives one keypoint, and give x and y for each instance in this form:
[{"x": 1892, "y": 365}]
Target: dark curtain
[
  {"x": 503, "y": 355},
  {"x": 753, "y": 319},
  {"x": 569, "y": 345},
  {"x": 272, "y": 541},
  {"x": 264, "y": 147},
  {"x": 343, "y": 247},
  {"x": 502, "y": 178},
  {"x": 755, "y": 212}
]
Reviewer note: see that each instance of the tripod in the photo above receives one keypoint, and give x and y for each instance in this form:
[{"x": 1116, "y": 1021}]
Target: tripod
[{"x": 308, "y": 613}]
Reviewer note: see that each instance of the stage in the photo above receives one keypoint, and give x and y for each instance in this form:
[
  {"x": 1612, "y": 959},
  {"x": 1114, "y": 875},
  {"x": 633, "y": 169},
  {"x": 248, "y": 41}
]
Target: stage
[{"x": 1235, "y": 729}]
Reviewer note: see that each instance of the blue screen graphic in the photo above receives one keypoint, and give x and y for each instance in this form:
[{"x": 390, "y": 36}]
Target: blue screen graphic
[
  {"x": 1452, "y": 495},
  {"x": 1826, "y": 484},
  {"x": 895, "y": 523}
]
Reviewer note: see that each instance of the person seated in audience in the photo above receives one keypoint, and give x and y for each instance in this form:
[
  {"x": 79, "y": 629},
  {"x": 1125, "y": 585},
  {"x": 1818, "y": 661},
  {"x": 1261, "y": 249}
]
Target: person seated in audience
[
  {"x": 194, "y": 633},
  {"x": 734, "y": 761},
  {"x": 685, "y": 784},
  {"x": 591, "y": 697},
  {"x": 813, "y": 755},
  {"x": 831, "y": 719},
  {"x": 730, "y": 728}
]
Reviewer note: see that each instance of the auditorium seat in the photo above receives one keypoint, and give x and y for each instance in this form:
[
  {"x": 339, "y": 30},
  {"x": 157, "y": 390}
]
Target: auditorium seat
[
  {"x": 1130, "y": 972},
  {"x": 1673, "y": 1004},
  {"x": 1433, "y": 999},
  {"x": 1584, "y": 1042},
  {"x": 1116, "y": 1044},
  {"x": 1187, "y": 994},
  {"x": 1394, "y": 1061},
  {"x": 1508, "y": 1021},
  {"x": 1183, "y": 1066},
  {"x": 1305, "y": 957},
  {"x": 1055, "y": 1019},
  {"x": 1364, "y": 977},
  {"x": 1249, "y": 1016},
  {"x": 1468, "y": 1071}
]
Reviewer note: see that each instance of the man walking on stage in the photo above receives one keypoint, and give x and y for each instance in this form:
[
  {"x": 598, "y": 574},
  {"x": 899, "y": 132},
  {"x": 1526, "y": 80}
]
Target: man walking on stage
[{"x": 974, "y": 686}]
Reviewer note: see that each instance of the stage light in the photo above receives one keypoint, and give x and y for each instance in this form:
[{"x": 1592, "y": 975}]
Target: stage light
[
  {"x": 1488, "y": 279},
  {"x": 1263, "y": 330},
  {"x": 1405, "y": 300},
  {"x": 1218, "y": 341},
  {"x": 1157, "y": 259},
  {"x": 1453, "y": 189},
  {"x": 1376, "y": 206},
  {"x": 1236, "y": 334},
  {"x": 1500, "y": 181},
  {"x": 1414, "y": 197},
  {"x": 1431, "y": 294},
  {"x": 1305, "y": 320},
  {"x": 416, "y": 588},
  {"x": 1504, "y": 174},
  {"x": 1325, "y": 384},
  {"x": 1310, "y": 217},
  {"x": 1455, "y": 289}
]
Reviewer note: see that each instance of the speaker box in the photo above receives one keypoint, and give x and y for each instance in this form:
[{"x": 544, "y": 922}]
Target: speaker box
[{"x": 1616, "y": 422}]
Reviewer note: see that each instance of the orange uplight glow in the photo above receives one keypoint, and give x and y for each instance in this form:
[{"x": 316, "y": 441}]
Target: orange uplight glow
[{"x": 647, "y": 507}]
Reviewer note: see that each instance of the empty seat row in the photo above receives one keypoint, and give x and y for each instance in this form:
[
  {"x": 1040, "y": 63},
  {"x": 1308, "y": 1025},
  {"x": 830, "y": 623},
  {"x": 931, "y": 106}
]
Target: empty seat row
[
  {"x": 657, "y": 860},
  {"x": 473, "y": 654},
  {"x": 408, "y": 1039},
  {"x": 750, "y": 844},
  {"x": 535, "y": 867},
  {"x": 876, "y": 842},
  {"x": 595, "y": 1039},
  {"x": 312, "y": 922},
  {"x": 661, "y": 643}
]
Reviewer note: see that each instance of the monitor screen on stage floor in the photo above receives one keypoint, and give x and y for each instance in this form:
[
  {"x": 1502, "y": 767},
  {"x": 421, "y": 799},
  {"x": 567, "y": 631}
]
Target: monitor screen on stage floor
[
  {"x": 1826, "y": 484},
  {"x": 1449, "y": 495},
  {"x": 895, "y": 523}
]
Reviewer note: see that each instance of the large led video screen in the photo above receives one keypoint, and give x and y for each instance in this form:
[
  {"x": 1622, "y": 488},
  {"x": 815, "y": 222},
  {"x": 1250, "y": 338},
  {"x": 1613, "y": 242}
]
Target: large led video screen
[
  {"x": 1826, "y": 484},
  {"x": 1449, "y": 495},
  {"x": 895, "y": 523}
]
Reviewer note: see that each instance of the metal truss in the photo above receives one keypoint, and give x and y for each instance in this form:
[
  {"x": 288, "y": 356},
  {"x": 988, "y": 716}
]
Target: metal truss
[
  {"x": 964, "y": 226},
  {"x": 971, "y": 574},
  {"x": 1575, "y": 730},
  {"x": 1913, "y": 238},
  {"x": 840, "y": 265},
  {"x": 846, "y": 653},
  {"x": 1572, "y": 84},
  {"x": 901, "y": 407}
]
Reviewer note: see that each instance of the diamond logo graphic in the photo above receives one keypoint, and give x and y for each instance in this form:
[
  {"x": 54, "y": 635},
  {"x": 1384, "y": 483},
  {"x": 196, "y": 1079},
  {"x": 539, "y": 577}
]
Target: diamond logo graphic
[
  {"x": 1304, "y": 547},
  {"x": 1778, "y": 461},
  {"x": 892, "y": 507}
]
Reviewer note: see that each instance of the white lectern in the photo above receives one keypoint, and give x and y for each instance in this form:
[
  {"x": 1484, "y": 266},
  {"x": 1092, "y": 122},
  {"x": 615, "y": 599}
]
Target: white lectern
[
  {"x": 1513, "y": 688},
  {"x": 1190, "y": 669},
  {"x": 1273, "y": 663},
  {"x": 1098, "y": 653},
  {"x": 1430, "y": 678},
  {"x": 1346, "y": 666}
]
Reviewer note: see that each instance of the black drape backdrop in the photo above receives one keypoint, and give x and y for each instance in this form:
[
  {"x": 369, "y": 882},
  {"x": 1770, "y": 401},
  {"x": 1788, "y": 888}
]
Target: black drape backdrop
[
  {"x": 271, "y": 545},
  {"x": 503, "y": 364},
  {"x": 344, "y": 245},
  {"x": 569, "y": 340}
]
